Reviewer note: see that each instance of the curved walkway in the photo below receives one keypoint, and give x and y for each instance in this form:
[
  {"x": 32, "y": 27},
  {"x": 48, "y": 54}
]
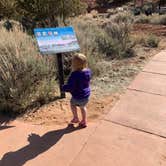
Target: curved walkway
[{"x": 132, "y": 134}]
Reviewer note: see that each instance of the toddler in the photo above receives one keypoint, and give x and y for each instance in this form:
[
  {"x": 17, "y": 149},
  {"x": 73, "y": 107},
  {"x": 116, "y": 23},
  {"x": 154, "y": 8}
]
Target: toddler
[{"x": 78, "y": 85}]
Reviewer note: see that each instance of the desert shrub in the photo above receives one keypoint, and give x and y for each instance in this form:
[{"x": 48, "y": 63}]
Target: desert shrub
[
  {"x": 93, "y": 64},
  {"x": 111, "y": 38},
  {"x": 112, "y": 11},
  {"x": 98, "y": 40},
  {"x": 158, "y": 19},
  {"x": 163, "y": 20},
  {"x": 142, "y": 19},
  {"x": 153, "y": 19},
  {"x": 139, "y": 39},
  {"x": 94, "y": 41},
  {"x": 137, "y": 11},
  {"x": 87, "y": 33},
  {"x": 14, "y": 24},
  {"x": 147, "y": 40},
  {"x": 120, "y": 34},
  {"x": 105, "y": 44},
  {"x": 147, "y": 9},
  {"x": 119, "y": 30},
  {"x": 26, "y": 78},
  {"x": 123, "y": 17},
  {"x": 152, "y": 41}
]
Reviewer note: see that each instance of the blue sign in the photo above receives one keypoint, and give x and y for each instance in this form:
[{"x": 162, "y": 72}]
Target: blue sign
[{"x": 56, "y": 40}]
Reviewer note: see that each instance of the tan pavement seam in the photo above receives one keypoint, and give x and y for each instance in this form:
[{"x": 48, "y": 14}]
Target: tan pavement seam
[
  {"x": 144, "y": 71},
  {"x": 134, "y": 128},
  {"x": 155, "y": 60},
  {"x": 141, "y": 91}
]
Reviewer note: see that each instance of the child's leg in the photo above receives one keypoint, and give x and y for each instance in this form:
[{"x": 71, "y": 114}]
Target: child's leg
[
  {"x": 83, "y": 113},
  {"x": 75, "y": 115}
]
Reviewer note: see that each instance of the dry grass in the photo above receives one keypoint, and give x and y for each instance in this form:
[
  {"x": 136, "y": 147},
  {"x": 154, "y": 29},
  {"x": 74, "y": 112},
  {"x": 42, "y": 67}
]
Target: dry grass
[
  {"x": 26, "y": 78},
  {"x": 154, "y": 19},
  {"x": 152, "y": 41},
  {"x": 158, "y": 19},
  {"x": 146, "y": 40}
]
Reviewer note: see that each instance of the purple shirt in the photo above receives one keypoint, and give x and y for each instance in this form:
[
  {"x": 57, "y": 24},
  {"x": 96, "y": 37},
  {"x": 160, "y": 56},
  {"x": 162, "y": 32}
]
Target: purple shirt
[{"x": 78, "y": 84}]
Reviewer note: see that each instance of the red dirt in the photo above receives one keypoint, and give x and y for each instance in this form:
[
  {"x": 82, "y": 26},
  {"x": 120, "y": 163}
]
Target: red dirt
[
  {"x": 58, "y": 112},
  {"x": 159, "y": 30}
]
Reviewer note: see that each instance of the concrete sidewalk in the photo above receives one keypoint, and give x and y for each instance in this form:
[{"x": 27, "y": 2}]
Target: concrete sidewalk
[
  {"x": 34, "y": 145},
  {"x": 132, "y": 134}
]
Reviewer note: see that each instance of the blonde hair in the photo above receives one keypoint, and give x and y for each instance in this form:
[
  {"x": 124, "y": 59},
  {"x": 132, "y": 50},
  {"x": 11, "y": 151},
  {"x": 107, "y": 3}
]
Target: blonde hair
[{"x": 79, "y": 62}]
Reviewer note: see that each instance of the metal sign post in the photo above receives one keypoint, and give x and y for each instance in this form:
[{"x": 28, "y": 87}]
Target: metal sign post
[{"x": 60, "y": 74}]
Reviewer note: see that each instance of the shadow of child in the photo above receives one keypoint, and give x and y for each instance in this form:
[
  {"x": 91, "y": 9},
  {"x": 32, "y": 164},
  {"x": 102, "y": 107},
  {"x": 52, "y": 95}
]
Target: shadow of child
[{"x": 36, "y": 146}]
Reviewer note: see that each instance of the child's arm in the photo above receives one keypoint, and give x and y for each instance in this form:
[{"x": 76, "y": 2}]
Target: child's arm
[{"x": 70, "y": 83}]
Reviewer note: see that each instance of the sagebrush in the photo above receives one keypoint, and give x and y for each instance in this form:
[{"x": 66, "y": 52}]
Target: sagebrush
[
  {"x": 26, "y": 78},
  {"x": 154, "y": 19},
  {"x": 98, "y": 40}
]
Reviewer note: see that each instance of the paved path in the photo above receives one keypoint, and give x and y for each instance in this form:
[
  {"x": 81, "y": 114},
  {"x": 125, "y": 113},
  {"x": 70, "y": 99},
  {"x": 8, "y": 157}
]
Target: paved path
[{"x": 132, "y": 134}]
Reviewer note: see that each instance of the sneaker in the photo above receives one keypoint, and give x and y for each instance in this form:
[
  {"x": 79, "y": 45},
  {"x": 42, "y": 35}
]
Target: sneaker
[
  {"x": 82, "y": 124},
  {"x": 75, "y": 120}
]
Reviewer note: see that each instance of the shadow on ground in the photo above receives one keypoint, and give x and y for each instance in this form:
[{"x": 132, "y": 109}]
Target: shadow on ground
[
  {"x": 4, "y": 121},
  {"x": 36, "y": 146}
]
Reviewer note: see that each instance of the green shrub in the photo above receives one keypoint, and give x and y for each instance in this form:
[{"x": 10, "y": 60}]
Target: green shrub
[
  {"x": 98, "y": 40},
  {"x": 105, "y": 43},
  {"x": 137, "y": 11},
  {"x": 138, "y": 39},
  {"x": 123, "y": 17},
  {"x": 120, "y": 34},
  {"x": 25, "y": 76},
  {"x": 152, "y": 41},
  {"x": 112, "y": 38},
  {"x": 87, "y": 32},
  {"x": 158, "y": 19},
  {"x": 147, "y": 8},
  {"x": 143, "y": 19},
  {"x": 153, "y": 19},
  {"x": 163, "y": 20},
  {"x": 112, "y": 11}
]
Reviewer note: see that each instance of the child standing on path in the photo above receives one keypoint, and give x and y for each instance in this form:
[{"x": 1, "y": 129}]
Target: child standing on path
[{"x": 78, "y": 85}]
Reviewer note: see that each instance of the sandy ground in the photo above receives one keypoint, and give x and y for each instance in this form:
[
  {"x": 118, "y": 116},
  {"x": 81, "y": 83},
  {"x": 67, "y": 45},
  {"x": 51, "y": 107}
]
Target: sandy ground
[{"x": 58, "y": 112}]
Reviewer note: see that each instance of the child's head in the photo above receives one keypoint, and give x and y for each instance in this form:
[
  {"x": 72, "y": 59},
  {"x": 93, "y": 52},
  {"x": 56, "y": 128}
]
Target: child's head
[{"x": 79, "y": 62}]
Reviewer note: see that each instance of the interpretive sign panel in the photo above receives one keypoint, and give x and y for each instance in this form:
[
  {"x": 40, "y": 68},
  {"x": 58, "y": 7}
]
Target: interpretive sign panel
[{"x": 56, "y": 40}]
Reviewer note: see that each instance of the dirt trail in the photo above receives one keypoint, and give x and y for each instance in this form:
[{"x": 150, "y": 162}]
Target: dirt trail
[{"x": 159, "y": 30}]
